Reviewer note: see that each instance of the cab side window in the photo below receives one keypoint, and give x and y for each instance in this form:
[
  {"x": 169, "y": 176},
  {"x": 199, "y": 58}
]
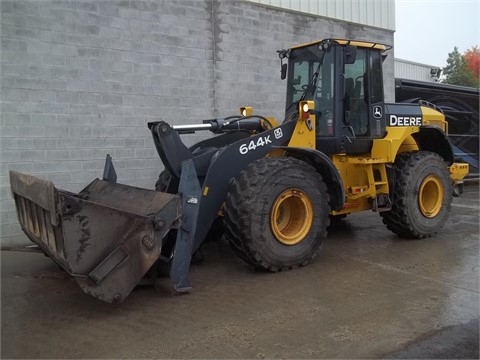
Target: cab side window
[
  {"x": 375, "y": 67},
  {"x": 355, "y": 99}
]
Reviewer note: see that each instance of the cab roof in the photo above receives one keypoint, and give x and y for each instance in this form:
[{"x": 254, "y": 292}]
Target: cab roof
[{"x": 358, "y": 43}]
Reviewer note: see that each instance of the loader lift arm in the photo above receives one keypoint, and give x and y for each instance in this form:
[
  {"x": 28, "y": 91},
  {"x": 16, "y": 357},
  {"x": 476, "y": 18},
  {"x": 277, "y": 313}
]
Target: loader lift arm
[{"x": 215, "y": 166}]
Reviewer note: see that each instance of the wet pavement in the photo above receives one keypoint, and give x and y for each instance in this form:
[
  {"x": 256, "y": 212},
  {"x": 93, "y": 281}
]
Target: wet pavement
[{"x": 368, "y": 294}]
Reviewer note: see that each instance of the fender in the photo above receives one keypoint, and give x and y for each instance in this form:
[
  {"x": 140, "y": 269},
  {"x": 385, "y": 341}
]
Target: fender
[
  {"x": 325, "y": 167},
  {"x": 434, "y": 139}
]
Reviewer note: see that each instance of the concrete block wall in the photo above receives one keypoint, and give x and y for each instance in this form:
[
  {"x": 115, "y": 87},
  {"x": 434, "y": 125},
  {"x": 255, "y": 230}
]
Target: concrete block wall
[{"x": 80, "y": 79}]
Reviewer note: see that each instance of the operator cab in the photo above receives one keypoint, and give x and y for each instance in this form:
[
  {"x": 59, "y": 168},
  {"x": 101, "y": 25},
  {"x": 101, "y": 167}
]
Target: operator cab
[{"x": 344, "y": 79}]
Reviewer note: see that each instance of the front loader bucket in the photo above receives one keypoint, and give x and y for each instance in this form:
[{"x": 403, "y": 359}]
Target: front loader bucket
[{"x": 107, "y": 236}]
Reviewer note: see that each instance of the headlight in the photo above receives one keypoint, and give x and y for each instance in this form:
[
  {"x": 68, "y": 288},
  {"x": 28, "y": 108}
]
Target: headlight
[
  {"x": 246, "y": 111},
  {"x": 306, "y": 106}
]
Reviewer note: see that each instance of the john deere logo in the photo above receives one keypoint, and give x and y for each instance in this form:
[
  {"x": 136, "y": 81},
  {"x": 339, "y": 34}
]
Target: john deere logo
[{"x": 377, "y": 112}]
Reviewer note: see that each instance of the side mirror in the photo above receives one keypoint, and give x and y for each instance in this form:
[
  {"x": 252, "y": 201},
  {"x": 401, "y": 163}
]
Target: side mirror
[
  {"x": 349, "y": 54},
  {"x": 283, "y": 71},
  {"x": 282, "y": 54}
]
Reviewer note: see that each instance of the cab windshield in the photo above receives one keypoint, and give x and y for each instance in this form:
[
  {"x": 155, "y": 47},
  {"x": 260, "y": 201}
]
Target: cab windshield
[{"x": 311, "y": 77}]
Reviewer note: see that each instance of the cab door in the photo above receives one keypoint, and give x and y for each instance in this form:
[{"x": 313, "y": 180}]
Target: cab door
[{"x": 363, "y": 101}]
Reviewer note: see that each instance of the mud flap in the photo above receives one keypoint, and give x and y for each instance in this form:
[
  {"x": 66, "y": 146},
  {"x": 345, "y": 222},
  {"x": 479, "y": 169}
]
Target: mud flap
[{"x": 107, "y": 236}]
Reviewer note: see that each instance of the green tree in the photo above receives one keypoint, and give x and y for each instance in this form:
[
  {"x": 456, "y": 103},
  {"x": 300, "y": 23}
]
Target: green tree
[{"x": 457, "y": 71}]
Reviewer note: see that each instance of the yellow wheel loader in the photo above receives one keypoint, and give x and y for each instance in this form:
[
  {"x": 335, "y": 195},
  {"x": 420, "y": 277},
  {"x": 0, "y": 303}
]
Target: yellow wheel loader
[{"x": 271, "y": 187}]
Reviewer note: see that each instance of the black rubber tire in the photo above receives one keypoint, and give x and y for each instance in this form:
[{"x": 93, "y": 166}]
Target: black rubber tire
[
  {"x": 406, "y": 217},
  {"x": 251, "y": 200},
  {"x": 162, "y": 181},
  {"x": 217, "y": 230}
]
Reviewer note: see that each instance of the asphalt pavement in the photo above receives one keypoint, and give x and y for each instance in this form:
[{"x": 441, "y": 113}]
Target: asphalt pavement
[{"x": 368, "y": 294}]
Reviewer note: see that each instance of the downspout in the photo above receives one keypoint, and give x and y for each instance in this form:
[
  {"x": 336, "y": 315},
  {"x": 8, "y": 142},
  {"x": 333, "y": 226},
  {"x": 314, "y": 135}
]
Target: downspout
[{"x": 214, "y": 57}]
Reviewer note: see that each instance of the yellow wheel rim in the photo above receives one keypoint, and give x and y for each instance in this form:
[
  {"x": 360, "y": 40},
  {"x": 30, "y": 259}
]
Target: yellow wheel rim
[
  {"x": 291, "y": 216},
  {"x": 430, "y": 196}
]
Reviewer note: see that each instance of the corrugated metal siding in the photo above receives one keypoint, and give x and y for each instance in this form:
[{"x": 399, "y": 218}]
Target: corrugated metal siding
[
  {"x": 378, "y": 13},
  {"x": 413, "y": 71}
]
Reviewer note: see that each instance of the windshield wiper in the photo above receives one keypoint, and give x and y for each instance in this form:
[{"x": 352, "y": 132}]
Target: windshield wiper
[
  {"x": 308, "y": 88},
  {"x": 311, "y": 84}
]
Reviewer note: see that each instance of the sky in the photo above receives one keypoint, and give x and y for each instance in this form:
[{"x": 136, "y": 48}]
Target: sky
[{"x": 427, "y": 30}]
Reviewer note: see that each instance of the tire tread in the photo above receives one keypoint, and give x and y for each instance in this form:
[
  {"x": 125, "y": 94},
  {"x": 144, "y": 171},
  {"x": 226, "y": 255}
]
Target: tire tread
[{"x": 240, "y": 200}]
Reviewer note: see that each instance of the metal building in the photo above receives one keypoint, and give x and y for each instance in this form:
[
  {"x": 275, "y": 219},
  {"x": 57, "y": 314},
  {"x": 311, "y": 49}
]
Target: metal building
[
  {"x": 405, "y": 69},
  {"x": 81, "y": 79},
  {"x": 377, "y": 13}
]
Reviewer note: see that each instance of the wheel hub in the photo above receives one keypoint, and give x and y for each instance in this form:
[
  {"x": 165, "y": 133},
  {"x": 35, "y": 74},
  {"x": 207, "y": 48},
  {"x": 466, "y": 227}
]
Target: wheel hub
[
  {"x": 430, "y": 196},
  {"x": 291, "y": 216}
]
